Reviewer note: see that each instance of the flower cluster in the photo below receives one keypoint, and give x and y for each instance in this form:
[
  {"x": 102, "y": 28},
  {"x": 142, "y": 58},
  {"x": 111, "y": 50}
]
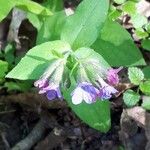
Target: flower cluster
[
  {"x": 84, "y": 91},
  {"x": 87, "y": 92}
]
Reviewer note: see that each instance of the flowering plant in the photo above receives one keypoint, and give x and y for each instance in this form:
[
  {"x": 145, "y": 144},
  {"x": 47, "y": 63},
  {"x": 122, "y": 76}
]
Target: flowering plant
[{"x": 74, "y": 57}]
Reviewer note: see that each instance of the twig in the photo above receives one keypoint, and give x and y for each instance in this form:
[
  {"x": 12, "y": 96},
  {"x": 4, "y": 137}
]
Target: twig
[
  {"x": 32, "y": 138},
  {"x": 6, "y": 112},
  {"x": 121, "y": 87},
  {"x": 36, "y": 134},
  {"x": 3, "y": 135}
]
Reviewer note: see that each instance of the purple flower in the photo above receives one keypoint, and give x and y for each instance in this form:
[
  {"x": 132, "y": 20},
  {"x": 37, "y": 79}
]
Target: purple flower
[
  {"x": 54, "y": 93},
  {"x": 51, "y": 90},
  {"x": 84, "y": 91},
  {"x": 41, "y": 83},
  {"x": 106, "y": 91},
  {"x": 112, "y": 76}
]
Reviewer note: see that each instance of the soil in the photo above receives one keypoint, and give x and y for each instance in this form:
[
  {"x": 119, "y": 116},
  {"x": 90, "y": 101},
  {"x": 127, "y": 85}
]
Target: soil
[{"x": 17, "y": 120}]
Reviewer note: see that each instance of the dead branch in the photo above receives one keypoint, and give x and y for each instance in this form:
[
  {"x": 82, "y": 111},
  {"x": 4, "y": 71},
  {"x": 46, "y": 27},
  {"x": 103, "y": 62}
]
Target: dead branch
[
  {"x": 7, "y": 146},
  {"x": 37, "y": 133}
]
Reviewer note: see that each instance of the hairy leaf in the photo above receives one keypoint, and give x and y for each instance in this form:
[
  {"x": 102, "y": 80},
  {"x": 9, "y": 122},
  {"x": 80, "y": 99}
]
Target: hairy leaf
[
  {"x": 117, "y": 47},
  {"x": 96, "y": 115},
  {"x": 131, "y": 98},
  {"x": 90, "y": 65},
  {"x": 135, "y": 75},
  {"x": 82, "y": 28},
  {"x": 38, "y": 59}
]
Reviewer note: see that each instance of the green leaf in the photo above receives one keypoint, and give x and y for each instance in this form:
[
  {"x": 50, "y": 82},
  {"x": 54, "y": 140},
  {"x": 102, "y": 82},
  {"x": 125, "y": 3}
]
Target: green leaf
[
  {"x": 146, "y": 44},
  {"x": 131, "y": 98},
  {"x": 27, "y": 5},
  {"x": 146, "y": 71},
  {"x": 145, "y": 87},
  {"x": 119, "y": 1},
  {"x": 138, "y": 20},
  {"x": 129, "y": 7},
  {"x": 3, "y": 68},
  {"x": 38, "y": 59},
  {"x": 32, "y": 7},
  {"x": 146, "y": 102},
  {"x": 54, "y": 5},
  {"x": 18, "y": 86},
  {"x": 48, "y": 24},
  {"x": 114, "y": 13},
  {"x": 147, "y": 27},
  {"x": 5, "y": 8},
  {"x": 51, "y": 28},
  {"x": 117, "y": 47},
  {"x": 82, "y": 28},
  {"x": 90, "y": 65},
  {"x": 135, "y": 75},
  {"x": 141, "y": 33},
  {"x": 9, "y": 53},
  {"x": 96, "y": 115},
  {"x": 35, "y": 20}
]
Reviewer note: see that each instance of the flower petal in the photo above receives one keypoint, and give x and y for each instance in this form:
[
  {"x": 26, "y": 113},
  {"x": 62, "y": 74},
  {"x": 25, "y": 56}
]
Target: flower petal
[
  {"x": 84, "y": 91},
  {"x": 112, "y": 76},
  {"x": 51, "y": 94},
  {"x": 77, "y": 96}
]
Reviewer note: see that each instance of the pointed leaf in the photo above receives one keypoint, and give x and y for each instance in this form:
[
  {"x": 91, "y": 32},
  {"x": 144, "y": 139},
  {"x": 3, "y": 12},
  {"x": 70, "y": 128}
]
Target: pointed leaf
[
  {"x": 96, "y": 115},
  {"x": 37, "y": 60},
  {"x": 27, "y": 5},
  {"x": 82, "y": 28},
  {"x": 117, "y": 47},
  {"x": 51, "y": 28}
]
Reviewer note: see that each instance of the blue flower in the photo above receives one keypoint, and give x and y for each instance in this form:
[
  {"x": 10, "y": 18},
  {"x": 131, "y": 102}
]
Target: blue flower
[
  {"x": 51, "y": 90},
  {"x": 54, "y": 93},
  {"x": 41, "y": 83},
  {"x": 84, "y": 91},
  {"x": 112, "y": 76},
  {"x": 106, "y": 91}
]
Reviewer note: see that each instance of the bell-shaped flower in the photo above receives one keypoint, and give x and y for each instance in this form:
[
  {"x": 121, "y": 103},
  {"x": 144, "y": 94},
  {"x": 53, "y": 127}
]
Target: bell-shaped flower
[
  {"x": 51, "y": 90},
  {"x": 112, "y": 76},
  {"x": 50, "y": 80},
  {"x": 54, "y": 93},
  {"x": 106, "y": 91},
  {"x": 41, "y": 83},
  {"x": 84, "y": 92}
]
